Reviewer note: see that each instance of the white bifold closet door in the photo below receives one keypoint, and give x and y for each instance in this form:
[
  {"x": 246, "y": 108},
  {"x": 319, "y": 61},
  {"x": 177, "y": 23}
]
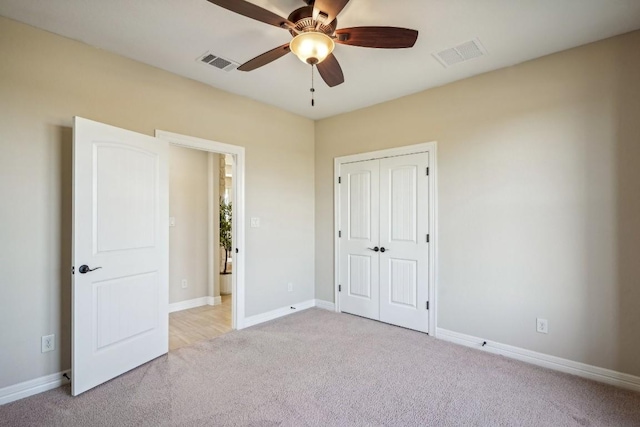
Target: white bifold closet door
[{"x": 384, "y": 249}]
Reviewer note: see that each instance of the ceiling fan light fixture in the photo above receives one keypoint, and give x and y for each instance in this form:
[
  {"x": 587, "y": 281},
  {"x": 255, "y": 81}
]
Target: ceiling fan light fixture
[{"x": 312, "y": 47}]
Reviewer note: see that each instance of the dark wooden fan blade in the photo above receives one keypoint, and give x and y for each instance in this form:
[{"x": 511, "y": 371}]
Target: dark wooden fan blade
[
  {"x": 250, "y": 10},
  {"x": 377, "y": 37},
  {"x": 330, "y": 71},
  {"x": 265, "y": 58},
  {"x": 329, "y": 7}
]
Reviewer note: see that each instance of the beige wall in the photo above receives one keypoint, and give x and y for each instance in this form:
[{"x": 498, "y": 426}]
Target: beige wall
[
  {"x": 189, "y": 173},
  {"x": 44, "y": 81},
  {"x": 539, "y": 199}
]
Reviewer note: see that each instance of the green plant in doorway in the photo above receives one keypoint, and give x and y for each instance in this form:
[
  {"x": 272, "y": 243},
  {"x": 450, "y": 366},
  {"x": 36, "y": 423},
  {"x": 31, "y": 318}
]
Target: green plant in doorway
[{"x": 226, "y": 239}]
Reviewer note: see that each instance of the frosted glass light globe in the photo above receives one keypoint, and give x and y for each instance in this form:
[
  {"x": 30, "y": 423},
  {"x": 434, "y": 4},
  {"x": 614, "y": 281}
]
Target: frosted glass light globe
[{"x": 312, "y": 47}]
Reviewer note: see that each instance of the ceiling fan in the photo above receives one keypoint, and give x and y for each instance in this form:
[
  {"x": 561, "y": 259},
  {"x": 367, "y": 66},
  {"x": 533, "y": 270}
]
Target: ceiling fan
[{"x": 314, "y": 31}]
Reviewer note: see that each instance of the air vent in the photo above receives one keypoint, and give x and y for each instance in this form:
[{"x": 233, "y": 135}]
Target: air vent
[
  {"x": 218, "y": 62},
  {"x": 461, "y": 53}
]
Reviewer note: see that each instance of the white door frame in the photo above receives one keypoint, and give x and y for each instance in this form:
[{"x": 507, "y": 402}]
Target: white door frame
[
  {"x": 432, "y": 149},
  {"x": 238, "y": 153}
]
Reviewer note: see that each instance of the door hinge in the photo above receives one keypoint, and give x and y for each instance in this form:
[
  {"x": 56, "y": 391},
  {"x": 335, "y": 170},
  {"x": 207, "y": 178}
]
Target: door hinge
[
  {"x": 427, "y": 305},
  {"x": 427, "y": 238},
  {"x": 427, "y": 171},
  {"x": 339, "y": 180},
  {"x": 236, "y": 250},
  {"x": 73, "y": 269},
  {"x": 339, "y": 233},
  {"x": 339, "y": 288}
]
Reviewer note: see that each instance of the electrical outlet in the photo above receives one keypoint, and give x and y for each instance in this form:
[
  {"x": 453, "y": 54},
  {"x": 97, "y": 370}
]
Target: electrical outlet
[
  {"x": 184, "y": 284},
  {"x": 48, "y": 343},
  {"x": 542, "y": 326},
  {"x": 255, "y": 222},
  {"x": 290, "y": 287}
]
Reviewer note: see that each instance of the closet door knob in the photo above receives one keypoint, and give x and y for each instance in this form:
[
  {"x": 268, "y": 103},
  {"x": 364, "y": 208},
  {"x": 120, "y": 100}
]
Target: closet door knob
[
  {"x": 382, "y": 249},
  {"x": 374, "y": 249}
]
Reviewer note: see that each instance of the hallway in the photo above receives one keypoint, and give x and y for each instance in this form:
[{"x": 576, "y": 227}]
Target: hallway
[{"x": 187, "y": 327}]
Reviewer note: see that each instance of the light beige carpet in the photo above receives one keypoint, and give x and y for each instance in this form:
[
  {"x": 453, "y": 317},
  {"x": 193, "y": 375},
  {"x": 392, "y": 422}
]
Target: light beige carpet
[{"x": 321, "y": 368}]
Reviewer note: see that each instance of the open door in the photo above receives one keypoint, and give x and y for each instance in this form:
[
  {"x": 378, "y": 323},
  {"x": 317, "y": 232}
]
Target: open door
[{"x": 120, "y": 252}]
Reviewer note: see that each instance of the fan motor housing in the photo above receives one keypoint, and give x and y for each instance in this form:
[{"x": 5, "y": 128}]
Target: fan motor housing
[{"x": 303, "y": 18}]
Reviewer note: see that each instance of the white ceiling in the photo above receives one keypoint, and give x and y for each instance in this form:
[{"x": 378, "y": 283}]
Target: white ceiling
[{"x": 172, "y": 34}]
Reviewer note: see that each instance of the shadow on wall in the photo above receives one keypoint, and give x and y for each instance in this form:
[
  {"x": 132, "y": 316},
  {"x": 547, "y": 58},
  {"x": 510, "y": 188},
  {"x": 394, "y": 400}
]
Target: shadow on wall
[
  {"x": 63, "y": 142},
  {"x": 627, "y": 116}
]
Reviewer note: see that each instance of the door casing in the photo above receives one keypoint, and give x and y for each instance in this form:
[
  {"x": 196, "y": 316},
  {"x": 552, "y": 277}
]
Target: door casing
[
  {"x": 431, "y": 148},
  {"x": 238, "y": 232}
]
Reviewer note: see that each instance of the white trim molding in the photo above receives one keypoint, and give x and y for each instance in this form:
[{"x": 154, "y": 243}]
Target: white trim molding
[
  {"x": 325, "y": 305},
  {"x": 193, "y": 303},
  {"x": 428, "y": 147},
  {"x": 279, "y": 312},
  {"x": 284, "y": 311},
  {"x": 29, "y": 388},
  {"x": 212, "y": 221},
  {"x": 238, "y": 153},
  {"x": 591, "y": 372}
]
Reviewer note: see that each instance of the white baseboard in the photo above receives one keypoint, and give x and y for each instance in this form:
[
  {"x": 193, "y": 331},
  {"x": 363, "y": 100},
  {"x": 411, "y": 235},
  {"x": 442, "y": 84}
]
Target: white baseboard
[
  {"x": 29, "y": 388},
  {"x": 193, "y": 303},
  {"x": 325, "y": 305},
  {"x": 595, "y": 373},
  {"x": 280, "y": 312}
]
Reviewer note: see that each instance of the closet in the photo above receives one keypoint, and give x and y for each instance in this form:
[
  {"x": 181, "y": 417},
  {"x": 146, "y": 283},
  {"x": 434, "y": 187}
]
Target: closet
[{"x": 384, "y": 241}]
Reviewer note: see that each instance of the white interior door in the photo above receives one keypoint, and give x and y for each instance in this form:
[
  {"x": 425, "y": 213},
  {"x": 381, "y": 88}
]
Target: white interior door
[
  {"x": 383, "y": 249},
  {"x": 404, "y": 252},
  {"x": 359, "y": 220},
  {"x": 120, "y": 208}
]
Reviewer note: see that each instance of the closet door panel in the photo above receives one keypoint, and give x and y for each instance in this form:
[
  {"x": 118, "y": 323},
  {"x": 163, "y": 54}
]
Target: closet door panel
[
  {"x": 359, "y": 225},
  {"x": 404, "y": 264}
]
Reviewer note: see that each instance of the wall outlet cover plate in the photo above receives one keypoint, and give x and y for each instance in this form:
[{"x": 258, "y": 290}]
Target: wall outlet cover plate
[
  {"x": 542, "y": 326},
  {"x": 48, "y": 343}
]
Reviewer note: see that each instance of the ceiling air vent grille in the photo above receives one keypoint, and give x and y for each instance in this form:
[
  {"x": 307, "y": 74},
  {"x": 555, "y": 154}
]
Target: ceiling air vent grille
[
  {"x": 461, "y": 53},
  {"x": 218, "y": 62}
]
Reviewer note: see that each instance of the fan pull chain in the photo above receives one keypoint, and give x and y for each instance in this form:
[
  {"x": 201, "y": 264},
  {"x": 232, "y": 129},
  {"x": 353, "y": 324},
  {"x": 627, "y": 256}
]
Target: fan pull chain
[{"x": 313, "y": 102}]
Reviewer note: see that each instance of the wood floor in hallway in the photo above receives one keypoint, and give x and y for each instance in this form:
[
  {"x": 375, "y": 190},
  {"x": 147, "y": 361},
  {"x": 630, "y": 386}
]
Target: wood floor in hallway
[{"x": 190, "y": 326}]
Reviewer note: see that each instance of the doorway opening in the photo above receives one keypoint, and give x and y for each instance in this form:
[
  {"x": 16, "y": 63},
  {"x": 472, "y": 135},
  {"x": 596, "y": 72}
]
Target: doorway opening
[{"x": 206, "y": 297}]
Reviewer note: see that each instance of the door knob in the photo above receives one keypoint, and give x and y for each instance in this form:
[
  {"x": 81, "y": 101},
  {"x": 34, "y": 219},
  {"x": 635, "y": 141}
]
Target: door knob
[
  {"x": 382, "y": 249},
  {"x": 374, "y": 249},
  {"x": 85, "y": 269}
]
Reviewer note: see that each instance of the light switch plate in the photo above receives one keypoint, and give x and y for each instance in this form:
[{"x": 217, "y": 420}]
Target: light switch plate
[
  {"x": 172, "y": 221},
  {"x": 255, "y": 222}
]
